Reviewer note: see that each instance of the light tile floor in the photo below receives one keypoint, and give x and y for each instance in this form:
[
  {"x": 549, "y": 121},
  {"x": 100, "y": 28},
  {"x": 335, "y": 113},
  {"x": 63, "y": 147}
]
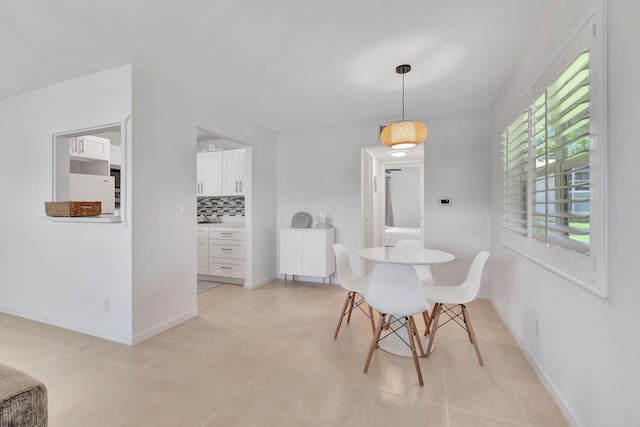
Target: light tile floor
[
  {"x": 204, "y": 286},
  {"x": 267, "y": 357}
]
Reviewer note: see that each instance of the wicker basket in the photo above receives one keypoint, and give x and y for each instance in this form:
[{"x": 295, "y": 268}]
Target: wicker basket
[{"x": 73, "y": 208}]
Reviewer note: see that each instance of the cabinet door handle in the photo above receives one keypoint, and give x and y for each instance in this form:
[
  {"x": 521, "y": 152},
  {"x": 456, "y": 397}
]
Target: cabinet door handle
[
  {"x": 241, "y": 186},
  {"x": 81, "y": 143}
]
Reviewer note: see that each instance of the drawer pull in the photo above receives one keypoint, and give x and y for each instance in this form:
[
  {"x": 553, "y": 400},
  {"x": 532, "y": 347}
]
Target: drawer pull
[
  {"x": 225, "y": 268},
  {"x": 225, "y": 249}
]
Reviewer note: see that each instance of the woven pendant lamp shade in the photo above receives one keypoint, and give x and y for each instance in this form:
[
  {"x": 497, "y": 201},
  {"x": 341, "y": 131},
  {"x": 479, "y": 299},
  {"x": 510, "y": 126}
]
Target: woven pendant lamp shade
[{"x": 404, "y": 134}]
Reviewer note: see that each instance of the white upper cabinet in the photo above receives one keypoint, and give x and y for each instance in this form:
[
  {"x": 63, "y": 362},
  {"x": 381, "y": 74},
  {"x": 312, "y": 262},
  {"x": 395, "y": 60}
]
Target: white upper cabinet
[
  {"x": 220, "y": 173},
  {"x": 115, "y": 158},
  {"x": 209, "y": 172},
  {"x": 89, "y": 147},
  {"x": 233, "y": 171}
]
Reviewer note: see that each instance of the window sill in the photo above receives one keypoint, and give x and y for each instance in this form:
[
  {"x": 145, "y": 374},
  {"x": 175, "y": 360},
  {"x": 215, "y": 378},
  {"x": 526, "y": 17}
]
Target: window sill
[
  {"x": 576, "y": 268},
  {"x": 104, "y": 218}
]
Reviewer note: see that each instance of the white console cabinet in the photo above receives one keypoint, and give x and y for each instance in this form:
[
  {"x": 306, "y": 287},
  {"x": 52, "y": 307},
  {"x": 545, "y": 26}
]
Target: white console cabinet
[{"x": 307, "y": 252}]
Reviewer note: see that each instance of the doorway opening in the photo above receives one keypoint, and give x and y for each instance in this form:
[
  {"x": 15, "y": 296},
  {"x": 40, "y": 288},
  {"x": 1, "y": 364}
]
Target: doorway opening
[
  {"x": 392, "y": 198},
  {"x": 223, "y": 196}
]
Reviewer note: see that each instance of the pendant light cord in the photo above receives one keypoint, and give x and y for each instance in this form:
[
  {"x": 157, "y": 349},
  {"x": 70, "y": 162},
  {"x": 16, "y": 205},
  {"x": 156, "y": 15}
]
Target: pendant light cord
[{"x": 403, "y": 97}]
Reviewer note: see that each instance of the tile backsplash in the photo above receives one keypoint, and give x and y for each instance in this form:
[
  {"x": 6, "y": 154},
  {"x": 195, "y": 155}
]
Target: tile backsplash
[{"x": 219, "y": 206}]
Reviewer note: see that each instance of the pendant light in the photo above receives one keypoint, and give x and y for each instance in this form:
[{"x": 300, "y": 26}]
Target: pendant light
[{"x": 405, "y": 133}]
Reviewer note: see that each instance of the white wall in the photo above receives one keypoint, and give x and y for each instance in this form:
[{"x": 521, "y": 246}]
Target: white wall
[
  {"x": 164, "y": 174},
  {"x": 587, "y": 351},
  {"x": 319, "y": 169},
  {"x": 146, "y": 267},
  {"x": 53, "y": 272}
]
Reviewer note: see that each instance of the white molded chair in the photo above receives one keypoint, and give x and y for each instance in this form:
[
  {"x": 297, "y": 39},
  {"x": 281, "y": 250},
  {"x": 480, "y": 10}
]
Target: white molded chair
[
  {"x": 356, "y": 287},
  {"x": 396, "y": 292},
  {"x": 424, "y": 272},
  {"x": 454, "y": 296}
]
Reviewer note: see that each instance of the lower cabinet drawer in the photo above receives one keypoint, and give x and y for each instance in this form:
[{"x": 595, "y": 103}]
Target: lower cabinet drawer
[
  {"x": 226, "y": 233},
  {"x": 226, "y": 249},
  {"x": 226, "y": 267}
]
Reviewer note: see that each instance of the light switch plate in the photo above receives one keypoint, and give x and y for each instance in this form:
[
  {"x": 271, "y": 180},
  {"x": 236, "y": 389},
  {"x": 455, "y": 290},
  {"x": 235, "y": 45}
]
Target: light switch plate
[{"x": 185, "y": 208}]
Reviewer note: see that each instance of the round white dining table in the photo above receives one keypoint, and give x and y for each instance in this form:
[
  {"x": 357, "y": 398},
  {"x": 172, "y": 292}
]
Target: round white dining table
[
  {"x": 407, "y": 255},
  {"x": 393, "y": 343}
]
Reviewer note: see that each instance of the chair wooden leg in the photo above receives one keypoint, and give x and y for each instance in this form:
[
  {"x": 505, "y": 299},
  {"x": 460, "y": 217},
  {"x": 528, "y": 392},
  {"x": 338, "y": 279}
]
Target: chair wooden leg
[
  {"x": 415, "y": 330},
  {"x": 373, "y": 323},
  {"x": 353, "y": 297},
  {"x": 410, "y": 329},
  {"x": 427, "y": 321},
  {"x": 342, "y": 313},
  {"x": 374, "y": 343},
  {"x": 472, "y": 334},
  {"x": 434, "y": 326},
  {"x": 433, "y": 315},
  {"x": 464, "y": 320}
]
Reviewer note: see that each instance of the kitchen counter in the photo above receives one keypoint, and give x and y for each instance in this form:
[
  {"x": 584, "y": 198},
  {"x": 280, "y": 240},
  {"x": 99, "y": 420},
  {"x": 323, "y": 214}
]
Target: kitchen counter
[{"x": 222, "y": 224}]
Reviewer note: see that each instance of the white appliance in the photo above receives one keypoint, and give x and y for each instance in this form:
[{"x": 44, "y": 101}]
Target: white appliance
[{"x": 93, "y": 188}]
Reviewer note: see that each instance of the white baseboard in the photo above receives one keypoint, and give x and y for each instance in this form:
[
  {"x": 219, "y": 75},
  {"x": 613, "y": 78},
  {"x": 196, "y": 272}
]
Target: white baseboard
[
  {"x": 257, "y": 284},
  {"x": 81, "y": 328},
  {"x": 137, "y": 338},
  {"x": 542, "y": 375}
]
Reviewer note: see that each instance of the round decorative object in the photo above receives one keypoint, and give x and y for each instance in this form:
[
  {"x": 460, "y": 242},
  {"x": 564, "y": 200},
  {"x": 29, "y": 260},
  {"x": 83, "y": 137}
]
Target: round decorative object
[{"x": 301, "y": 220}]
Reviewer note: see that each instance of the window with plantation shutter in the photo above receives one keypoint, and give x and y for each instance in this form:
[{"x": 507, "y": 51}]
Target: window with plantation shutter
[
  {"x": 552, "y": 155},
  {"x": 560, "y": 146},
  {"x": 515, "y": 155}
]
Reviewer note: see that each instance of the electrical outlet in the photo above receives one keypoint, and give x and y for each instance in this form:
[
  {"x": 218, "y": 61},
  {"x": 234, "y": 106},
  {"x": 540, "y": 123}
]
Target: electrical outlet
[
  {"x": 538, "y": 328},
  {"x": 107, "y": 304},
  {"x": 185, "y": 208}
]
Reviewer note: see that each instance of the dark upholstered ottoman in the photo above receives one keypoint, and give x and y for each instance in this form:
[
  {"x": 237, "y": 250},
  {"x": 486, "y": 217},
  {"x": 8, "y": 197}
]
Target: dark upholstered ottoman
[{"x": 23, "y": 399}]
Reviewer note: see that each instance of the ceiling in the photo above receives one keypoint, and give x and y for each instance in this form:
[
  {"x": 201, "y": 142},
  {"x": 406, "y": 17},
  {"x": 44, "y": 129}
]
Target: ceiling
[{"x": 286, "y": 64}]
